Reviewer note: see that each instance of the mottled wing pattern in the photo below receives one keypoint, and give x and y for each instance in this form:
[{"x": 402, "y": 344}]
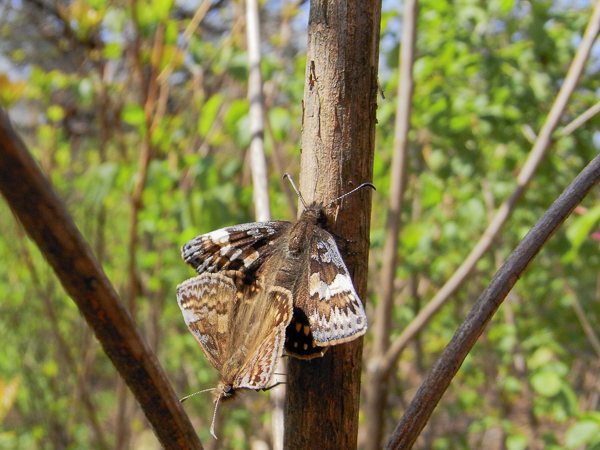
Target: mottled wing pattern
[
  {"x": 275, "y": 314},
  {"x": 242, "y": 248},
  {"x": 333, "y": 308},
  {"x": 206, "y": 302}
]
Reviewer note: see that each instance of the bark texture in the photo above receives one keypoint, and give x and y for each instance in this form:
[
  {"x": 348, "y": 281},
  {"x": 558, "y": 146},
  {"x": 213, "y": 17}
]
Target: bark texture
[{"x": 338, "y": 144}]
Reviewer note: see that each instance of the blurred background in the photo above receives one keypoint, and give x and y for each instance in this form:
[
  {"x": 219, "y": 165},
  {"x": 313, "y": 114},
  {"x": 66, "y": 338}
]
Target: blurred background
[{"x": 137, "y": 111}]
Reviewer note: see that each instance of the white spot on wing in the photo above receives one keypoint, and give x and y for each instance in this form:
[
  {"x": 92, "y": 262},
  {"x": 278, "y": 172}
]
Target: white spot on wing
[
  {"x": 189, "y": 316},
  {"x": 328, "y": 253},
  {"x": 250, "y": 258},
  {"x": 219, "y": 236},
  {"x": 341, "y": 283}
]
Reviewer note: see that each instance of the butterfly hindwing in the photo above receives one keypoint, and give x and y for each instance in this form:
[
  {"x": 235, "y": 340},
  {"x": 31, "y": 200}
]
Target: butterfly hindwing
[
  {"x": 273, "y": 316},
  {"x": 206, "y": 302},
  {"x": 241, "y": 338},
  {"x": 299, "y": 341},
  {"x": 333, "y": 308}
]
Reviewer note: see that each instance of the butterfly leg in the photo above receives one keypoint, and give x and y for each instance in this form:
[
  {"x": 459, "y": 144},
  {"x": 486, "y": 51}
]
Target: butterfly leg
[{"x": 268, "y": 388}]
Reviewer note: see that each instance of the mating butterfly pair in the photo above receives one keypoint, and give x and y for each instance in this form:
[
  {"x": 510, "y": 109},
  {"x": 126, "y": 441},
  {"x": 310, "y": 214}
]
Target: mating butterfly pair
[{"x": 266, "y": 287}]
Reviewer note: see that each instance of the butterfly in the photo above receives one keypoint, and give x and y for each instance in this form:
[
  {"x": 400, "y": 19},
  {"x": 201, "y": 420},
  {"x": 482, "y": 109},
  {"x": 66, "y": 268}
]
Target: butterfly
[
  {"x": 268, "y": 287},
  {"x": 241, "y": 333}
]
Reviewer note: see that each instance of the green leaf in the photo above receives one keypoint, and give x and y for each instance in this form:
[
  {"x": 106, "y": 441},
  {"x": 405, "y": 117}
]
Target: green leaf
[
  {"x": 546, "y": 383},
  {"x": 162, "y": 8},
  {"x": 208, "y": 114},
  {"x": 235, "y": 112},
  {"x": 541, "y": 357},
  {"x": 133, "y": 114},
  {"x": 55, "y": 113},
  {"x": 516, "y": 442},
  {"x": 112, "y": 50},
  {"x": 582, "y": 433},
  {"x": 581, "y": 227}
]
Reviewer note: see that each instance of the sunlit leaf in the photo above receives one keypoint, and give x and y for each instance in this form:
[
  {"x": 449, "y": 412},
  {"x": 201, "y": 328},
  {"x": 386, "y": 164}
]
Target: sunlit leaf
[
  {"x": 546, "y": 383},
  {"x": 583, "y": 433}
]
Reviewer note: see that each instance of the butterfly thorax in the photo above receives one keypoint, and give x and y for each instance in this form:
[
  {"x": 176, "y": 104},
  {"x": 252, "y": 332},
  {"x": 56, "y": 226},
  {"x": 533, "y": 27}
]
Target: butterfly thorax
[{"x": 302, "y": 231}]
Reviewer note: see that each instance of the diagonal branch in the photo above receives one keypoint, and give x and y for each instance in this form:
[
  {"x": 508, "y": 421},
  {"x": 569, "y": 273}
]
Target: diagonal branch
[
  {"x": 48, "y": 223},
  {"x": 429, "y": 394},
  {"x": 540, "y": 147}
]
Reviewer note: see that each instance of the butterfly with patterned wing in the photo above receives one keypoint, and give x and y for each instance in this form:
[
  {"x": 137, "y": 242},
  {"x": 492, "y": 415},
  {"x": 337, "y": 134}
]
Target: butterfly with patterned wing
[
  {"x": 301, "y": 259},
  {"x": 265, "y": 286},
  {"x": 241, "y": 331}
]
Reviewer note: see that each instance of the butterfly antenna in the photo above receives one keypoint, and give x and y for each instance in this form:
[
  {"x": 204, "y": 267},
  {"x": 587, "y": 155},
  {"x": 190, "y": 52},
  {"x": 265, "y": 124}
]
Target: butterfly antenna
[
  {"x": 214, "y": 418},
  {"x": 195, "y": 393},
  {"x": 289, "y": 178},
  {"x": 363, "y": 185}
]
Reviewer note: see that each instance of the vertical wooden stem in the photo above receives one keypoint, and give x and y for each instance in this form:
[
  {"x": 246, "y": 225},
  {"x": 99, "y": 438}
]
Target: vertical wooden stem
[{"x": 337, "y": 155}]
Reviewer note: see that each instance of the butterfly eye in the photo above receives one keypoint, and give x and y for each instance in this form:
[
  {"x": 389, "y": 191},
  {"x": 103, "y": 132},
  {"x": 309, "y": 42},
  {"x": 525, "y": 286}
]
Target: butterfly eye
[
  {"x": 227, "y": 391},
  {"x": 322, "y": 218}
]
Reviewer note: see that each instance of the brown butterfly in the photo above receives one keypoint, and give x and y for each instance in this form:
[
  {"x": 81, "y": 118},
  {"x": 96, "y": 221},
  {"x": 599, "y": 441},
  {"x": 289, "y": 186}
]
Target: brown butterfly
[
  {"x": 241, "y": 333},
  {"x": 265, "y": 285}
]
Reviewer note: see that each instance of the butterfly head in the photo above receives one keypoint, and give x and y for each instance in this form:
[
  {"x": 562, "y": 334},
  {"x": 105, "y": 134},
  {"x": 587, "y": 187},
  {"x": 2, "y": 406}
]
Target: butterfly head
[
  {"x": 315, "y": 213},
  {"x": 224, "y": 391}
]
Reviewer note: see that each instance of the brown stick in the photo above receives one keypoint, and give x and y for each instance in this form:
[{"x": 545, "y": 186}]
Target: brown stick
[
  {"x": 47, "y": 222},
  {"x": 149, "y": 92},
  {"x": 338, "y": 143},
  {"x": 429, "y": 394}
]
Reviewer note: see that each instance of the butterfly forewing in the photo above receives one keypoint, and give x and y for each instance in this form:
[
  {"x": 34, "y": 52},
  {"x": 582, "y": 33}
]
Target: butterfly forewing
[{"x": 241, "y": 248}]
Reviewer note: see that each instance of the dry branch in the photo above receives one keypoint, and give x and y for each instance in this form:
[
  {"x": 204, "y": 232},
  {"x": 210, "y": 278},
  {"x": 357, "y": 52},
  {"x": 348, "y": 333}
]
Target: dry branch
[
  {"x": 48, "y": 223},
  {"x": 430, "y": 392},
  {"x": 377, "y": 381},
  {"x": 338, "y": 143},
  {"x": 260, "y": 180},
  {"x": 539, "y": 150},
  {"x": 257, "y": 112}
]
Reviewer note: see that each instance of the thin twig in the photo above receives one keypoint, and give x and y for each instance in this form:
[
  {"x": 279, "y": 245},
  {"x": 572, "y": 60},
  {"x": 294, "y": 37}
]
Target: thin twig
[
  {"x": 376, "y": 386},
  {"x": 587, "y": 327},
  {"x": 429, "y": 394},
  {"x": 51, "y": 227},
  {"x": 257, "y": 113},
  {"x": 540, "y": 147},
  {"x": 260, "y": 176},
  {"x": 580, "y": 120}
]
